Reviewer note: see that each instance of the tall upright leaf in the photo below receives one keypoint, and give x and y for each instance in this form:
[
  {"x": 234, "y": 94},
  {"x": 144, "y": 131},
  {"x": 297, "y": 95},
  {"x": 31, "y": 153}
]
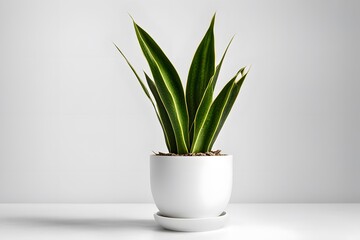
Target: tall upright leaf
[
  {"x": 169, "y": 87},
  {"x": 168, "y": 130},
  {"x": 206, "y": 101},
  {"x": 168, "y": 137},
  {"x": 216, "y": 115},
  {"x": 201, "y": 70},
  {"x": 226, "y": 110}
]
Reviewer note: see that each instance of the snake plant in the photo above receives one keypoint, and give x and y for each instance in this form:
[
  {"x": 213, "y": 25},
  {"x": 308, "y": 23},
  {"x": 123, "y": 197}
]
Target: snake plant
[{"x": 192, "y": 119}]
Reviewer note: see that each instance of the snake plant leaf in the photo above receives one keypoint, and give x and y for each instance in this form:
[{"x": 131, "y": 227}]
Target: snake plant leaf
[
  {"x": 233, "y": 95},
  {"x": 201, "y": 70},
  {"x": 206, "y": 101},
  {"x": 218, "y": 67},
  {"x": 217, "y": 114},
  {"x": 168, "y": 130},
  {"x": 136, "y": 75},
  {"x": 169, "y": 144},
  {"x": 169, "y": 87}
]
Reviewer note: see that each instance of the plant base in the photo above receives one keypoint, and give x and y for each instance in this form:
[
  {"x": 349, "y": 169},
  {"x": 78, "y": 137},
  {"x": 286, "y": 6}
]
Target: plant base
[{"x": 210, "y": 153}]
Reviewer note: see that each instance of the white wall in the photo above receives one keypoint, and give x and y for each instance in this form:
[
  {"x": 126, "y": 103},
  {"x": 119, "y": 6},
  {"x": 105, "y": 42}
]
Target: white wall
[{"x": 76, "y": 127}]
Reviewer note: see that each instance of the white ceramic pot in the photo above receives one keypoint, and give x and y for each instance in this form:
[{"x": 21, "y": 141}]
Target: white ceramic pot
[{"x": 191, "y": 186}]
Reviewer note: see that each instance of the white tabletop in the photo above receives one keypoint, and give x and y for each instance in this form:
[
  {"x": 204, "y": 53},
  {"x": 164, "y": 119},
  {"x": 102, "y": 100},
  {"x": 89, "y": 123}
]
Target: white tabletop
[{"x": 135, "y": 221}]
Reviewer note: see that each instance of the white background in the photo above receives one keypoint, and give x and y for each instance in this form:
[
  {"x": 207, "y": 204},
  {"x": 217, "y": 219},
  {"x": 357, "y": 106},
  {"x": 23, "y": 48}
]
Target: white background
[{"x": 76, "y": 127}]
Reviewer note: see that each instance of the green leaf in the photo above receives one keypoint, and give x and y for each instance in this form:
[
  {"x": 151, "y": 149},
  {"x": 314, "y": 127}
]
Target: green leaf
[
  {"x": 226, "y": 110},
  {"x": 217, "y": 114},
  {"x": 169, "y": 87},
  {"x": 201, "y": 70},
  {"x": 167, "y": 140},
  {"x": 135, "y": 73},
  {"x": 218, "y": 67},
  {"x": 206, "y": 101},
  {"x": 168, "y": 130}
]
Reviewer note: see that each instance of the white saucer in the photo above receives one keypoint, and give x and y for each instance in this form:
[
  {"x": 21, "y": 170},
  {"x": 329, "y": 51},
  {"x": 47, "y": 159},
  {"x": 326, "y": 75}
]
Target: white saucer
[{"x": 191, "y": 224}]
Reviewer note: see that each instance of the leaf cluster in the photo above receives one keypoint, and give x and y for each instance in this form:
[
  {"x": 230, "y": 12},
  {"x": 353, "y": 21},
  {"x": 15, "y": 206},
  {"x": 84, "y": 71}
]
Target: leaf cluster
[{"x": 191, "y": 119}]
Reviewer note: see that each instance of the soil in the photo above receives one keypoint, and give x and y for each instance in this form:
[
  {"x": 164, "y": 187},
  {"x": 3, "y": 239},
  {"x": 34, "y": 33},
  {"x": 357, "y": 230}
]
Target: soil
[{"x": 210, "y": 153}]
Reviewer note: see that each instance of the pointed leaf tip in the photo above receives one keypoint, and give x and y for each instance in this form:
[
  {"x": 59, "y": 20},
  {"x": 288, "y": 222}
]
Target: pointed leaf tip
[
  {"x": 131, "y": 17},
  {"x": 213, "y": 20}
]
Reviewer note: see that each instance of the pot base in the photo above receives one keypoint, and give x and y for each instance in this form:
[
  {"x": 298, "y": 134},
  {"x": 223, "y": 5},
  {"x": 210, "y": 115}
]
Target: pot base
[{"x": 191, "y": 224}]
